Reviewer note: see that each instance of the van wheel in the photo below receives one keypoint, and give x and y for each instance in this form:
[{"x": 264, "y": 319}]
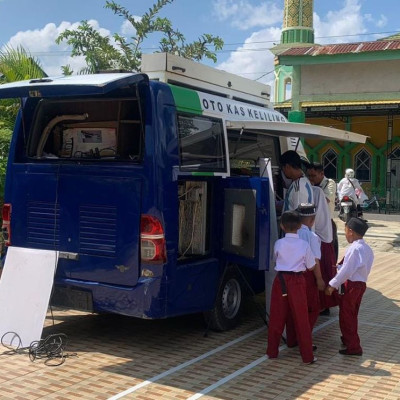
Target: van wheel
[{"x": 228, "y": 305}]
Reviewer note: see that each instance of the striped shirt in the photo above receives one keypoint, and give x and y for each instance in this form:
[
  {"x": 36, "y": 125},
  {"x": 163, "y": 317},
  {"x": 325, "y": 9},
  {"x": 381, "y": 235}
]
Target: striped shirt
[{"x": 300, "y": 191}]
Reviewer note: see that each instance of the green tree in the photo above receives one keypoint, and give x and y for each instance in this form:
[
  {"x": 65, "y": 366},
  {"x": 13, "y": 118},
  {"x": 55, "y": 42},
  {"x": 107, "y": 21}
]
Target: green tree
[
  {"x": 18, "y": 65},
  {"x": 15, "y": 65},
  {"x": 101, "y": 53},
  {"x": 5, "y": 138}
]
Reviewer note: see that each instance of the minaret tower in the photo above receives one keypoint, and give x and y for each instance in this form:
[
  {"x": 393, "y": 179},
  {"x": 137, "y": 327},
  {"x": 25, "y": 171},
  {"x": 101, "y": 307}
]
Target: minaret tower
[
  {"x": 298, "y": 22},
  {"x": 297, "y": 31}
]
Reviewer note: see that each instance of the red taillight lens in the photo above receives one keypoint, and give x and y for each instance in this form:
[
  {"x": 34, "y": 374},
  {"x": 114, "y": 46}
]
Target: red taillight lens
[
  {"x": 150, "y": 226},
  {"x": 152, "y": 240},
  {"x": 6, "y": 228},
  {"x": 346, "y": 198}
]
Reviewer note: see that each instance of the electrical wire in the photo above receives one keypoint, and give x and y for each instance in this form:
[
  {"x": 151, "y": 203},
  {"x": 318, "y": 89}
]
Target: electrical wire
[
  {"x": 151, "y": 49},
  {"x": 51, "y": 349}
]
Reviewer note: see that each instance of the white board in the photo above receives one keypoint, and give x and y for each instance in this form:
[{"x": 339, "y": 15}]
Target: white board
[{"x": 25, "y": 289}]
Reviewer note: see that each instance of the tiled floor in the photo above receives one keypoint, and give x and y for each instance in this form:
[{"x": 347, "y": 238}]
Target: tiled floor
[{"x": 171, "y": 359}]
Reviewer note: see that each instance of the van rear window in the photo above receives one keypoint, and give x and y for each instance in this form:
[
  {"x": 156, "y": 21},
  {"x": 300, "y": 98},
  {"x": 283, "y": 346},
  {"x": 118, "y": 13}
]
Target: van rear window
[{"x": 90, "y": 129}]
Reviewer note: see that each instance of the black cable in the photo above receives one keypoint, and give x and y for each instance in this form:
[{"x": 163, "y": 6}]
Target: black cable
[
  {"x": 259, "y": 309},
  {"x": 52, "y": 348}
]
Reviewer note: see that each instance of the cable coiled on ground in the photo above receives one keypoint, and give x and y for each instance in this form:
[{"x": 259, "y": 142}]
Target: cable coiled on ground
[{"x": 52, "y": 348}]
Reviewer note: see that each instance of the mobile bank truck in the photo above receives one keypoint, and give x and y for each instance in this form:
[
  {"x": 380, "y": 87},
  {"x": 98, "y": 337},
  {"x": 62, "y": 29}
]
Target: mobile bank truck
[{"x": 149, "y": 186}]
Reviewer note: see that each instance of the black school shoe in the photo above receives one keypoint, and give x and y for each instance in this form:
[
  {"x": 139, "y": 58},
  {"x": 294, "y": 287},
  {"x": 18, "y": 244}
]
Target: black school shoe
[
  {"x": 345, "y": 353},
  {"x": 314, "y": 347},
  {"x": 312, "y": 362}
]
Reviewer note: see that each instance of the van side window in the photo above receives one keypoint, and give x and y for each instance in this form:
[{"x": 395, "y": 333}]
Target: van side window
[
  {"x": 89, "y": 129},
  {"x": 245, "y": 148},
  {"x": 201, "y": 144}
]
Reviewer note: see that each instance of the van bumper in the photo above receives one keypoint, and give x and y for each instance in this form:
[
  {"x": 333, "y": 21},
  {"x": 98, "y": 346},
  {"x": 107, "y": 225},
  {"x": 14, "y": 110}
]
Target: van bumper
[{"x": 145, "y": 300}]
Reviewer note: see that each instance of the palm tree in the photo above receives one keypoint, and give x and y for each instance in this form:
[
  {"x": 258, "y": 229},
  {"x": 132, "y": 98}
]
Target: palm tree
[
  {"x": 18, "y": 65},
  {"x": 15, "y": 65}
]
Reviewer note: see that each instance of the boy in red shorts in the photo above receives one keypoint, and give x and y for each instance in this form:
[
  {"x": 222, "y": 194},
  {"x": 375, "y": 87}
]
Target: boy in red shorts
[
  {"x": 293, "y": 257},
  {"x": 352, "y": 274}
]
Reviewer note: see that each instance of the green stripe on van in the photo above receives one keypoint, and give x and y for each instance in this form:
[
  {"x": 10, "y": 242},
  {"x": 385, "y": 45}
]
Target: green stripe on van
[
  {"x": 186, "y": 100},
  {"x": 203, "y": 173}
]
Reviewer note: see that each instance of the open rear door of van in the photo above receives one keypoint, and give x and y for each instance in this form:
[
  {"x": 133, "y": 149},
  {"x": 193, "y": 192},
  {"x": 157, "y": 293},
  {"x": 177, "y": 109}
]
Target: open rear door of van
[{"x": 72, "y": 85}]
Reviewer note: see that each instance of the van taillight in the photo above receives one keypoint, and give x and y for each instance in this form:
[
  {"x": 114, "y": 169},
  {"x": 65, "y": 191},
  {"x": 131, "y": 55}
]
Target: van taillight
[
  {"x": 6, "y": 228},
  {"x": 152, "y": 240}
]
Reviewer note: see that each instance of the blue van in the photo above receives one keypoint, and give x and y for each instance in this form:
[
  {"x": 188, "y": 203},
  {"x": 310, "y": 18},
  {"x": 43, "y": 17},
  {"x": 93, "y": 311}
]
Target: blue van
[{"x": 149, "y": 192}]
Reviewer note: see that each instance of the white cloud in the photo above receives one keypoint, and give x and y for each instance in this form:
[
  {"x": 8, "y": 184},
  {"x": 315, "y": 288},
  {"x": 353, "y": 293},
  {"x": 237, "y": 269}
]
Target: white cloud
[
  {"x": 382, "y": 21},
  {"x": 127, "y": 29},
  {"x": 243, "y": 15},
  {"x": 40, "y": 43},
  {"x": 254, "y": 64},
  {"x": 342, "y": 25},
  {"x": 379, "y": 23},
  {"x": 337, "y": 27}
]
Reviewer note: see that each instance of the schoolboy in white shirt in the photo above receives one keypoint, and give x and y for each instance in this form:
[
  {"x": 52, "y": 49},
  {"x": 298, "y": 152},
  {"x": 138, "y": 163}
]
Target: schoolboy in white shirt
[
  {"x": 314, "y": 281},
  {"x": 353, "y": 274},
  {"x": 293, "y": 256}
]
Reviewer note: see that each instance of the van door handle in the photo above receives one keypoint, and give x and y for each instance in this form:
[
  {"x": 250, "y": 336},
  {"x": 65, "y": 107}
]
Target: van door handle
[{"x": 68, "y": 256}]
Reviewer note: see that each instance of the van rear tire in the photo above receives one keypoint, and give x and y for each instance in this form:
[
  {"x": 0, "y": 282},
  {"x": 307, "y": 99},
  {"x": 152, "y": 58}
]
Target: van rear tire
[{"x": 229, "y": 303}]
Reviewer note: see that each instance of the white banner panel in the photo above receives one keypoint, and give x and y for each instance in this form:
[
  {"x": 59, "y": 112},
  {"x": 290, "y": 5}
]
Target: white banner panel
[{"x": 25, "y": 289}]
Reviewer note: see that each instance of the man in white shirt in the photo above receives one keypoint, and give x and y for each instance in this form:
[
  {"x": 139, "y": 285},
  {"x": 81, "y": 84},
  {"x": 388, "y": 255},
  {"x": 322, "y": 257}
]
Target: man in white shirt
[{"x": 316, "y": 175}]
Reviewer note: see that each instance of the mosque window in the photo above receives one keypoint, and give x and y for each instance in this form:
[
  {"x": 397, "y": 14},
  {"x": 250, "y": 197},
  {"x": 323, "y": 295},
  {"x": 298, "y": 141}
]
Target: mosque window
[
  {"x": 395, "y": 154},
  {"x": 329, "y": 161},
  {"x": 362, "y": 166},
  {"x": 288, "y": 88}
]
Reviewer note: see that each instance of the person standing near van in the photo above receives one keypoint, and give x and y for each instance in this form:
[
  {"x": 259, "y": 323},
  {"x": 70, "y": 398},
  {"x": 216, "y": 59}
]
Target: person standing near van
[
  {"x": 352, "y": 274},
  {"x": 293, "y": 256},
  {"x": 314, "y": 281},
  {"x": 323, "y": 228},
  {"x": 300, "y": 189},
  {"x": 316, "y": 175}
]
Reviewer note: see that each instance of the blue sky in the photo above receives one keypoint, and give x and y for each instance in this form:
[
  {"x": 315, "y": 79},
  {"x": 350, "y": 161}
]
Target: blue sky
[{"x": 248, "y": 27}]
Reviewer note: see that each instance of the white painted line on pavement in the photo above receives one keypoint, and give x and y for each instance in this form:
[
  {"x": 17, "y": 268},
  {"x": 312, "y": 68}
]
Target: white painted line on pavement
[
  {"x": 249, "y": 366},
  {"x": 186, "y": 364},
  {"x": 396, "y": 328}
]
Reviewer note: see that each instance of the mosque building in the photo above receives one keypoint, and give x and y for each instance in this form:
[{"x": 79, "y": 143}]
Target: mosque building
[{"x": 350, "y": 86}]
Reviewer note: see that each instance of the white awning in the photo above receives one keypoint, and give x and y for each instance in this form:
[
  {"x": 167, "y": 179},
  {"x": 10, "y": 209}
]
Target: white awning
[{"x": 289, "y": 129}]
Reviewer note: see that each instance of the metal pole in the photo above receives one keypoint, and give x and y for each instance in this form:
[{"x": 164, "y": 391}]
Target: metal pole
[{"x": 389, "y": 161}]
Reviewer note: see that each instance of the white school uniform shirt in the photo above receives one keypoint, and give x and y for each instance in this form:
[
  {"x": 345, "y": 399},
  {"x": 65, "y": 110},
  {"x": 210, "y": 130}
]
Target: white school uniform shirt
[
  {"x": 312, "y": 239},
  {"x": 293, "y": 254},
  {"x": 322, "y": 225},
  {"x": 329, "y": 188},
  {"x": 356, "y": 265},
  {"x": 300, "y": 191}
]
